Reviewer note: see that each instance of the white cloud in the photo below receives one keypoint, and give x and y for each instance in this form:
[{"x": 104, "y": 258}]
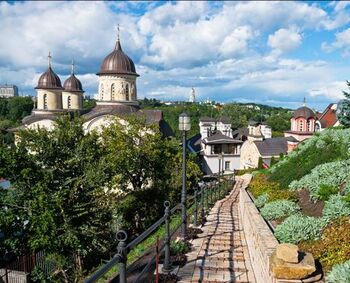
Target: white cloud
[
  {"x": 342, "y": 41},
  {"x": 284, "y": 40}
]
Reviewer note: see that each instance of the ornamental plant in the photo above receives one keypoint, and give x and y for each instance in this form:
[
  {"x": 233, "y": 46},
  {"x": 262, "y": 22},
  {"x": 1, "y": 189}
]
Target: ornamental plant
[
  {"x": 323, "y": 179},
  {"x": 333, "y": 247},
  {"x": 260, "y": 185},
  {"x": 261, "y": 200},
  {"x": 298, "y": 227},
  {"x": 335, "y": 207},
  {"x": 279, "y": 209},
  {"x": 340, "y": 273}
]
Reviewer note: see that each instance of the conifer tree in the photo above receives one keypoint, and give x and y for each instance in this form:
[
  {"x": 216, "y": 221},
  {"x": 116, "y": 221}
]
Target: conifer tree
[{"x": 343, "y": 113}]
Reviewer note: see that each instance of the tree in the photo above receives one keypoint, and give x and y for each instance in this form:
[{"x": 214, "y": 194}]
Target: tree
[
  {"x": 59, "y": 201},
  {"x": 260, "y": 163},
  {"x": 343, "y": 113}
]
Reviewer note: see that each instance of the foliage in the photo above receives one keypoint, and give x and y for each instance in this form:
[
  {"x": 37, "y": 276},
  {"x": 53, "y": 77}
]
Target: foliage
[
  {"x": 89, "y": 103},
  {"x": 335, "y": 207},
  {"x": 279, "y": 209},
  {"x": 179, "y": 247},
  {"x": 324, "y": 179},
  {"x": 328, "y": 146},
  {"x": 334, "y": 245},
  {"x": 340, "y": 273},
  {"x": 297, "y": 228},
  {"x": 15, "y": 108},
  {"x": 59, "y": 201},
  {"x": 273, "y": 161},
  {"x": 282, "y": 194},
  {"x": 343, "y": 114},
  {"x": 244, "y": 171},
  {"x": 260, "y": 163},
  {"x": 261, "y": 200},
  {"x": 260, "y": 185},
  {"x": 325, "y": 191}
]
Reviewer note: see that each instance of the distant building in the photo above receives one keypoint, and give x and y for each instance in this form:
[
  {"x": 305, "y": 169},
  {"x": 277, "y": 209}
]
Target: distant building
[
  {"x": 328, "y": 118},
  {"x": 218, "y": 150},
  {"x": 192, "y": 98},
  {"x": 7, "y": 91}
]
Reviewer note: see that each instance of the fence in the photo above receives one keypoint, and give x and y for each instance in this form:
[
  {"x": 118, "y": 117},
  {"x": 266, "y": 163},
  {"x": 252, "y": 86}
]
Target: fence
[
  {"x": 18, "y": 271},
  {"x": 208, "y": 194}
]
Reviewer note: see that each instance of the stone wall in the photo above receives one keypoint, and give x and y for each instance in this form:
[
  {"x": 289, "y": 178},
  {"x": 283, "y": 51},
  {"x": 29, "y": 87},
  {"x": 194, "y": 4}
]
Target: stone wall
[{"x": 260, "y": 240}]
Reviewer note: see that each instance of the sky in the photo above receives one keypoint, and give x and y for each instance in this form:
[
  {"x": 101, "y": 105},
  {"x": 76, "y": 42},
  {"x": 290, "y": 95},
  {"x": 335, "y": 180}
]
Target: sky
[{"x": 274, "y": 53}]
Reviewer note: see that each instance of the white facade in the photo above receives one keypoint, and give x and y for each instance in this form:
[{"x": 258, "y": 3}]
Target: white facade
[{"x": 117, "y": 88}]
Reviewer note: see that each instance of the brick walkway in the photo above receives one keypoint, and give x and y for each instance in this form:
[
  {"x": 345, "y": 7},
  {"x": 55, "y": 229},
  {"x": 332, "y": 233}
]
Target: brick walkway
[{"x": 220, "y": 253}]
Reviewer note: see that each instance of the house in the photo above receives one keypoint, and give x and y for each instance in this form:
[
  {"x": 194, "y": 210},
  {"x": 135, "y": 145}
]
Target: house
[
  {"x": 218, "y": 150},
  {"x": 328, "y": 118}
]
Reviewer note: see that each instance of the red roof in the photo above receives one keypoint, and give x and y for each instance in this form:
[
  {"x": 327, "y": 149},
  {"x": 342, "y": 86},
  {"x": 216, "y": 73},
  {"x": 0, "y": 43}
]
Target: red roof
[{"x": 329, "y": 117}]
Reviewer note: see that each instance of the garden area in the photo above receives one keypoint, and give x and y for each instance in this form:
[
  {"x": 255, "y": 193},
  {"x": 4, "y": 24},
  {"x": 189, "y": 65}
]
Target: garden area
[{"x": 306, "y": 199}]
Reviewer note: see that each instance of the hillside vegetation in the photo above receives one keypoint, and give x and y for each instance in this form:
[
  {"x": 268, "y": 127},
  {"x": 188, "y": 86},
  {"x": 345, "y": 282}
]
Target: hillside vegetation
[{"x": 316, "y": 178}]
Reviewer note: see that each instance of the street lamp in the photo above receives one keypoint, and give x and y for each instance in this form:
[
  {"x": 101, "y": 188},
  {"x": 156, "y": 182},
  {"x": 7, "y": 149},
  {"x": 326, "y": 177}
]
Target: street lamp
[
  {"x": 184, "y": 126},
  {"x": 220, "y": 163}
]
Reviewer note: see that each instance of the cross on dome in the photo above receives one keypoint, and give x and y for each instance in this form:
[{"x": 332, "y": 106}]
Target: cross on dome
[
  {"x": 49, "y": 59},
  {"x": 72, "y": 69}
]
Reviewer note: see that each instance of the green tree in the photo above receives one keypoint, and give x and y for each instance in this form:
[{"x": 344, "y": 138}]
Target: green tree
[
  {"x": 260, "y": 163},
  {"x": 59, "y": 201},
  {"x": 343, "y": 113}
]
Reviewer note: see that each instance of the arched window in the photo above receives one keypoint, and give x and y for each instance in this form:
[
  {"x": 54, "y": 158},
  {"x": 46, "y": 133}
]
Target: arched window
[
  {"x": 45, "y": 101},
  {"x": 101, "y": 92},
  {"x": 301, "y": 125},
  {"x": 127, "y": 92},
  {"x": 112, "y": 92},
  {"x": 308, "y": 125},
  {"x": 69, "y": 104}
]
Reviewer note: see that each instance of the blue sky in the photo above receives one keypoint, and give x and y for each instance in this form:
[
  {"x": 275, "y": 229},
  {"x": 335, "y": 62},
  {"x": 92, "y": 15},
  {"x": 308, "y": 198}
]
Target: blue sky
[{"x": 274, "y": 53}]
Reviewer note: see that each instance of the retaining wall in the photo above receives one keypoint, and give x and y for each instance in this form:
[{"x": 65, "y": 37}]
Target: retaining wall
[{"x": 260, "y": 240}]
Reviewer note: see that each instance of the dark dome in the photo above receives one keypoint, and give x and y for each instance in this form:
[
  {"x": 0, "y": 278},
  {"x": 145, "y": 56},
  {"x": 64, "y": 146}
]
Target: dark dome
[
  {"x": 49, "y": 80},
  {"x": 304, "y": 112},
  {"x": 117, "y": 62},
  {"x": 72, "y": 84}
]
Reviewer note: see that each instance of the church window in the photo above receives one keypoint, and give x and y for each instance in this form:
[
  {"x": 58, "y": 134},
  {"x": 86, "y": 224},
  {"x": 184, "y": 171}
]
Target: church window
[
  {"x": 127, "y": 92},
  {"x": 69, "y": 104},
  {"x": 308, "y": 125},
  {"x": 102, "y": 92},
  {"x": 45, "y": 101},
  {"x": 301, "y": 125},
  {"x": 112, "y": 92}
]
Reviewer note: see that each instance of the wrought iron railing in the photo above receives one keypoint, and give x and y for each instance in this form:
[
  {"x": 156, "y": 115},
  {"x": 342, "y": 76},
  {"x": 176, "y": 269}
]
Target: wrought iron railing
[{"x": 207, "y": 194}]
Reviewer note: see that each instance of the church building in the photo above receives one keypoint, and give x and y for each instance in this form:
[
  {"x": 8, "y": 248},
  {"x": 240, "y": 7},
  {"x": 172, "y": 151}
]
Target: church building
[{"x": 117, "y": 96}]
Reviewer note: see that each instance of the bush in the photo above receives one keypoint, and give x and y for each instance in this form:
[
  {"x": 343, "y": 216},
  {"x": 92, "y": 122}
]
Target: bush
[
  {"x": 179, "y": 247},
  {"x": 260, "y": 185},
  {"x": 335, "y": 207},
  {"x": 261, "y": 200},
  {"x": 279, "y": 209},
  {"x": 325, "y": 191},
  {"x": 328, "y": 146},
  {"x": 282, "y": 194},
  {"x": 334, "y": 245},
  {"x": 297, "y": 228},
  {"x": 340, "y": 273},
  {"x": 323, "y": 179}
]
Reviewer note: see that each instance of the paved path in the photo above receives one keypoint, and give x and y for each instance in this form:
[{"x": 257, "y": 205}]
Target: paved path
[{"x": 220, "y": 253}]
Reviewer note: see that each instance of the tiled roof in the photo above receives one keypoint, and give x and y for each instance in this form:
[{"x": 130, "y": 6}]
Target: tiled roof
[
  {"x": 272, "y": 146},
  {"x": 219, "y": 138}
]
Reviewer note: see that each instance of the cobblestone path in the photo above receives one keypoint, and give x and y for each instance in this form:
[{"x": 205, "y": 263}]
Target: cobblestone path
[{"x": 220, "y": 253}]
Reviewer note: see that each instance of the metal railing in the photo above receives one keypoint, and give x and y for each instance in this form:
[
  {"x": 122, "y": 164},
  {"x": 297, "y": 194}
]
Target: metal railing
[{"x": 207, "y": 194}]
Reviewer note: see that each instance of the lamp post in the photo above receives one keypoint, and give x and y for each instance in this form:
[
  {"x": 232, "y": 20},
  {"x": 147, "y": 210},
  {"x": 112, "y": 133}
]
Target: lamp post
[
  {"x": 220, "y": 161},
  {"x": 184, "y": 126}
]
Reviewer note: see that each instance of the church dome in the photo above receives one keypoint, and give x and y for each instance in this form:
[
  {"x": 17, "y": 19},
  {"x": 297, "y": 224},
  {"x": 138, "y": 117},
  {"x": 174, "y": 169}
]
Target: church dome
[
  {"x": 72, "y": 84},
  {"x": 304, "y": 112},
  {"x": 117, "y": 62},
  {"x": 49, "y": 80}
]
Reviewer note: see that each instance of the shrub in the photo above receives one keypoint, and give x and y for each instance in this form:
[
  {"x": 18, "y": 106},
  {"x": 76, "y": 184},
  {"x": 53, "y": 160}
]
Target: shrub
[
  {"x": 261, "y": 200},
  {"x": 335, "y": 207},
  {"x": 334, "y": 245},
  {"x": 279, "y": 209},
  {"x": 325, "y": 191},
  {"x": 179, "y": 247},
  {"x": 297, "y": 228},
  {"x": 260, "y": 185},
  {"x": 323, "y": 179},
  {"x": 244, "y": 171},
  {"x": 330, "y": 145},
  {"x": 340, "y": 273},
  {"x": 282, "y": 194}
]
